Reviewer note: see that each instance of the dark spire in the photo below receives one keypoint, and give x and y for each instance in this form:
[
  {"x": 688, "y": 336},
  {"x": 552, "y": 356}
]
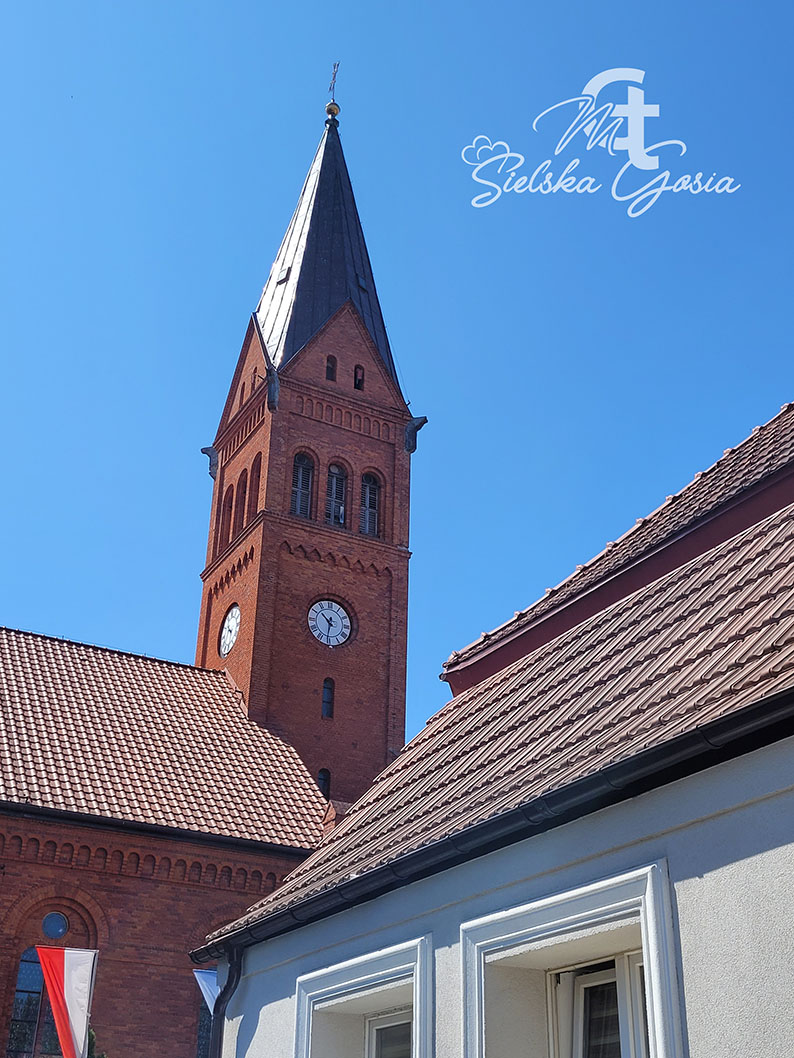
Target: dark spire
[{"x": 322, "y": 262}]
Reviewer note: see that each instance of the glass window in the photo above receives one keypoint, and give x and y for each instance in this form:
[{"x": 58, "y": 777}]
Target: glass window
[
  {"x": 55, "y": 925},
  {"x": 596, "y": 1004},
  {"x": 32, "y": 1024},
  {"x": 389, "y": 1036},
  {"x": 328, "y": 698},
  {"x": 330, "y": 369},
  {"x": 358, "y": 377},
  {"x": 324, "y": 782},
  {"x": 204, "y": 1029}
]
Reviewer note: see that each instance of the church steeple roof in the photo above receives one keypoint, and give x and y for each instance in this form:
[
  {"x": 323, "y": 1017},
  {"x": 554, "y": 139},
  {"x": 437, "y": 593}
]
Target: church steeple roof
[{"x": 322, "y": 261}]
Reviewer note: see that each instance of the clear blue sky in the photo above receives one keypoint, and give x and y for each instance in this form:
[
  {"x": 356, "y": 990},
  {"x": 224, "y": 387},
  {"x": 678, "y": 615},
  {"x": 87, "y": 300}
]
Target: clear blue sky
[{"x": 577, "y": 366}]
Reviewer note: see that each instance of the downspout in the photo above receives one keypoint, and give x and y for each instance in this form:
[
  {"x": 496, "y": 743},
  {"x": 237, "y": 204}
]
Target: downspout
[{"x": 221, "y": 1003}]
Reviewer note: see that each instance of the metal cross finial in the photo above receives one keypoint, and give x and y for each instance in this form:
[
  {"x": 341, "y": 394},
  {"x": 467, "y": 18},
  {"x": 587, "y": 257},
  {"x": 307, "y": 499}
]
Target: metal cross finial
[{"x": 332, "y": 85}]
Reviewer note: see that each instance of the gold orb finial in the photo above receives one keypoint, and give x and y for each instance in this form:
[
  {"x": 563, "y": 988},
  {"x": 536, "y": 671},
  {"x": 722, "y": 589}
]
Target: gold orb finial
[{"x": 332, "y": 109}]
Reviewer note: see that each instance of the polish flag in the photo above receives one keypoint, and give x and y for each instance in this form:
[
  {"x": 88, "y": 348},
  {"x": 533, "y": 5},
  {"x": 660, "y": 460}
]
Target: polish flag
[{"x": 69, "y": 976}]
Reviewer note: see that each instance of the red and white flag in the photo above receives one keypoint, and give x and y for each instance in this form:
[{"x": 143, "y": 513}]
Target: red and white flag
[{"x": 69, "y": 976}]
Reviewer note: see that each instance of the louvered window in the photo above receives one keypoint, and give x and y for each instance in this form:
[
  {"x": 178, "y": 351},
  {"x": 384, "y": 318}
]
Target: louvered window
[
  {"x": 335, "y": 495},
  {"x": 328, "y": 698},
  {"x": 370, "y": 505},
  {"x": 302, "y": 476}
]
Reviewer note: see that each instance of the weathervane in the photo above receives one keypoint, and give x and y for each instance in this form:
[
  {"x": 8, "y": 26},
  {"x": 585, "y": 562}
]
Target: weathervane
[{"x": 332, "y": 107}]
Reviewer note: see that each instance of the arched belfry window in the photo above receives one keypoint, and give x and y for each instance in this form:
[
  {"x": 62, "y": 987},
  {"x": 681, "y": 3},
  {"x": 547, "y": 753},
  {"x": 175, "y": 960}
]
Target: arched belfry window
[
  {"x": 302, "y": 478},
  {"x": 335, "y": 495},
  {"x": 253, "y": 491},
  {"x": 226, "y": 518},
  {"x": 330, "y": 369},
  {"x": 32, "y": 1024},
  {"x": 239, "y": 509},
  {"x": 328, "y": 697},
  {"x": 358, "y": 377},
  {"x": 324, "y": 782},
  {"x": 370, "y": 505}
]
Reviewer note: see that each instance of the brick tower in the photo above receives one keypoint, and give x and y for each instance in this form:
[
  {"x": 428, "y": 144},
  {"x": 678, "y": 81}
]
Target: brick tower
[{"x": 306, "y": 583}]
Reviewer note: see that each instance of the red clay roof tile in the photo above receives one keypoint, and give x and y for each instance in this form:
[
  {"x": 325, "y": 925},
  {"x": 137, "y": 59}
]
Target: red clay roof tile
[
  {"x": 702, "y": 642},
  {"x": 85, "y": 729}
]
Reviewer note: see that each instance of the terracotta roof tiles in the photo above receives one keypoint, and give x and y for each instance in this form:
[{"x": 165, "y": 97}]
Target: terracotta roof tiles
[
  {"x": 699, "y": 644},
  {"x": 90, "y": 730}
]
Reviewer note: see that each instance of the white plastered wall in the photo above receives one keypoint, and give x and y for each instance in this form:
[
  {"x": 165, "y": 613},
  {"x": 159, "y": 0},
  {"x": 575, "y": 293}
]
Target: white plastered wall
[{"x": 727, "y": 836}]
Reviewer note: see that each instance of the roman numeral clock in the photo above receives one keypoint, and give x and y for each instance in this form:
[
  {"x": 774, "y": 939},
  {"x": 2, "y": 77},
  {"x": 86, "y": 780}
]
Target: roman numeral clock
[{"x": 329, "y": 622}]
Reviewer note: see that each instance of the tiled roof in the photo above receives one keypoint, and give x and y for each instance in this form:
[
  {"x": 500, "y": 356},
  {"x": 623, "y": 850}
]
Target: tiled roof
[
  {"x": 769, "y": 448},
  {"x": 322, "y": 263},
  {"x": 700, "y": 643},
  {"x": 89, "y": 730}
]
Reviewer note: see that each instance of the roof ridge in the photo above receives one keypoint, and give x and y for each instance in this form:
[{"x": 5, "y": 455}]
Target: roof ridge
[
  {"x": 669, "y": 500},
  {"x": 108, "y": 650}
]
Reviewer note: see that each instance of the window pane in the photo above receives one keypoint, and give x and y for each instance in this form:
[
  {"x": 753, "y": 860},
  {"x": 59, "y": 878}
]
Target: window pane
[
  {"x": 328, "y": 697},
  {"x": 48, "y": 1035},
  {"x": 26, "y": 1006},
  {"x": 601, "y": 1028},
  {"x": 30, "y": 978},
  {"x": 393, "y": 1041},
  {"x": 204, "y": 1027}
]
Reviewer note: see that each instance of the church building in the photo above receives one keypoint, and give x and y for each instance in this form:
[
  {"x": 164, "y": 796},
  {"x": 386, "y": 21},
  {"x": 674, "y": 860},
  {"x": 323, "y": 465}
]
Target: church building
[{"x": 144, "y": 803}]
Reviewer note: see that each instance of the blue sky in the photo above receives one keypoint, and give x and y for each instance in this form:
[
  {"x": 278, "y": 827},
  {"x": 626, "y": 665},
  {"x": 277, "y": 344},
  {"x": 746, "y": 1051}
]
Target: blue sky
[{"x": 576, "y": 365}]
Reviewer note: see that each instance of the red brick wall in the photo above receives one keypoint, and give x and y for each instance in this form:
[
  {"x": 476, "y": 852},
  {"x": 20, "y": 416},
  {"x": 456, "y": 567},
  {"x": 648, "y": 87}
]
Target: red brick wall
[
  {"x": 143, "y": 902},
  {"x": 280, "y": 564}
]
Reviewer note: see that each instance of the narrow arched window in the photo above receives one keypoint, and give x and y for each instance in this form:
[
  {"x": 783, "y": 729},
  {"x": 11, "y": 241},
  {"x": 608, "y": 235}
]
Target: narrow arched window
[
  {"x": 328, "y": 698},
  {"x": 335, "y": 495},
  {"x": 32, "y": 1024},
  {"x": 358, "y": 377},
  {"x": 239, "y": 508},
  {"x": 330, "y": 369},
  {"x": 253, "y": 490},
  {"x": 226, "y": 517},
  {"x": 370, "y": 505},
  {"x": 302, "y": 477},
  {"x": 324, "y": 782}
]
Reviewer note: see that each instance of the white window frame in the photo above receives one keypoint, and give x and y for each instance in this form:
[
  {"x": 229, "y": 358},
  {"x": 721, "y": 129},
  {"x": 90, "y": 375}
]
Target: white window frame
[
  {"x": 631, "y": 1015},
  {"x": 385, "y": 1021},
  {"x": 639, "y": 895},
  {"x": 409, "y": 961},
  {"x": 581, "y": 984}
]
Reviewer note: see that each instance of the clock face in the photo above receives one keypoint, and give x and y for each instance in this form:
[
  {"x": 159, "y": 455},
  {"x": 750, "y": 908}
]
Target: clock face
[
  {"x": 330, "y": 623},
  {"x": 229, "y": 630}
]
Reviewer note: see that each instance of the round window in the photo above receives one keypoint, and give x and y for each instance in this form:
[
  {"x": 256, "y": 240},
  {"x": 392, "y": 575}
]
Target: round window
[{"x": 55, "y": 925}]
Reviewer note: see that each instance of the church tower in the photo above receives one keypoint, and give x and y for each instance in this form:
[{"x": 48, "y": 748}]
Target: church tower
[{"x": 305, "y": 589}]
